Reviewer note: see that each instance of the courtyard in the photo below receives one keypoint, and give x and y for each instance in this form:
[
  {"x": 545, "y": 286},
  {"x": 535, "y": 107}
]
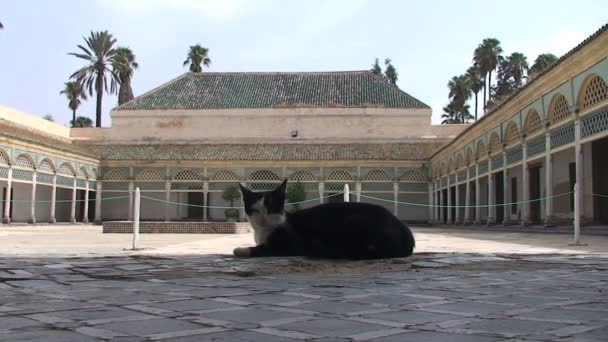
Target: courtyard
[{"x": 73, "y": 283}]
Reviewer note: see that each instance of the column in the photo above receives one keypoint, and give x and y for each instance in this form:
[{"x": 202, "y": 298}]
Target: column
[
  {"x": 467, "y": 200},
  {"x": 7, "y": 200},
  {"x": 549, "y": 219},
  {"x": 441, "y": 210},
  {"x": 32, "y": 219},
  {"x": 321, "y": 192},
  {"x": 437, "y": 203},
  {"x": 167, "y": 200},
  {"x": 505, "y": 191},
  {"x": 477, "y": 197},
  {"x": 358, "y": 191},
  {"x": 85, "y": 216},
  {"x": 449, "y": 219},
  {"x": 53, "y": 200},
  {"x": 396, "y": 199},
  {"x": 131, "y": 189},
  {"x": 73, "y": 206},
  {"x": 491, "y": 207},
  {"x": 457, "y": 200},
  {"x": 98, "y": 202},
  {"x": 525, "y": 207},
  {"x": 578, "y": 158},
  {"x": 205, "y": 200},
  {"x": 431, "y": 203}
]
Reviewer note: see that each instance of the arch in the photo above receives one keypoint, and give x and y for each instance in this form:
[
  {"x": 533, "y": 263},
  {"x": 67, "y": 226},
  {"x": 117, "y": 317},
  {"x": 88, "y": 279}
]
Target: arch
[
  {"x": 66, "y": 169},
  {"x": 459, "y": 161},
  {"x": 481, "y": 150},
  {"x": 302, "y": 176},
  {"x": 470, "y": 156},
  {"x": 593, "y": 91},
  {"x": 377, "y": 175},
  {"x": 532, "y": 124},
  {"x": 225, "y": 175},
  {"x": 444, "y": 168},
  {"x": 115, "y": 175},
  {"x": 84, "y": 172},
  {"x": 450, "y": 165},
  {"x": 494, "y": 145},
  {"x": 94, "y": 173},
  {"x": 412, "y": 176},
  {"x": 4, "y": 158},
  {"x": 264, "y": 175},
  {"x": 25, "y": 161},
  {"x": 186, "y": 175},
  {"x": 149, "y": 175},
  {"x": 340, "y": 175},
  {"x": 558, "y": 109},
  {"x": 47, "y": 166},
  {"x": 511, "y": 133}
]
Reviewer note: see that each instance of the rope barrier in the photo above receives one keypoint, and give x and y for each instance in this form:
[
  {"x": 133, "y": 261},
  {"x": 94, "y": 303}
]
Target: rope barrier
[{"x": 64, "y": 201}]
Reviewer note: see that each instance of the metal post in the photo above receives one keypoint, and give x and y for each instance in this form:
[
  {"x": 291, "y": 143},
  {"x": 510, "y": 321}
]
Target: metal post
[
  {"x": 321, "y": 192},
  {"x": 396, "y": 199},
  {"x": 346, "y": 193},
  {"x": 358, "y": 191},
  {"x": 136, "y": 211},
  {"x": 167, "y": 199}
]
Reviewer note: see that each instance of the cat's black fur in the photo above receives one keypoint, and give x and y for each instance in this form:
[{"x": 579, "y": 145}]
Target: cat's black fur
[{"x": 331, "y": 230}]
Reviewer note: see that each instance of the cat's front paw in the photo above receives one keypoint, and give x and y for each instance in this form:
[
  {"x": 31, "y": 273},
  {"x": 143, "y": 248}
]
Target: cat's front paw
[{"x": 242, "y": 252}]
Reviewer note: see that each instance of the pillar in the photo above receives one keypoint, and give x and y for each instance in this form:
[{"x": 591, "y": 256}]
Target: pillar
[
  {"x": 578, "y": 158},
  {"x": 467, "y": 199},
  {"x": 396, "y": 199},
  {"x": 441, "y": 211},
  {"x": 431, "y": 203},
  {"x": 549, "y": 218},
  {"x": 491, "y": 207},
  {"x": 85, "y": 216},
  {"x": 73, "y": 203},
  {"x": 506, "y": 209},
  {"x": 457, "y": 202},
  {"x": 525, "y": 207},
  {"x": 205, "y": 200},
  {"x": 449, "y": 218},
  {"x": 321, "y": 192},
  {"x": 32, "y": 219},
  {"x": 53, "y": 199},
  {"x": 167, "y": 200},
  {"x": 358, "y": 191},
  {"x": 131, "y": 192},
  {"x": 7, "y": 200},
  {"x": 437, "y": 202},
  {"x": 477, "y": 197},
  {"x": 98, "y": 203}
]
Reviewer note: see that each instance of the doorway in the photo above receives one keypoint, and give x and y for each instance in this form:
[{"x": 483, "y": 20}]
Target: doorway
[
  {"x": 600, "y": 181},
  {"x": 10, "y": 213},
  {"x": 534, "y": 188},
  {"x": 195, "y": 199},
  {"x": 499, "y": 197}
]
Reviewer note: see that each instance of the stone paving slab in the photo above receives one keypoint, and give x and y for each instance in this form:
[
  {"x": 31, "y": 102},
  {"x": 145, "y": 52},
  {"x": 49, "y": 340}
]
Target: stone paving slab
[{"x": 473, "y": 297}]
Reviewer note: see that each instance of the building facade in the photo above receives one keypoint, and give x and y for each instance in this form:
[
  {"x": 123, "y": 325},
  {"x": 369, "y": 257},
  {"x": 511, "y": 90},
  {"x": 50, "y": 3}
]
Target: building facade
[{"x": 186, "y": 141}]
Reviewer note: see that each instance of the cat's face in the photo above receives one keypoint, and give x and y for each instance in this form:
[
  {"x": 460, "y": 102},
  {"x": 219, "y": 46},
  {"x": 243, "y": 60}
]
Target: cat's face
[{"x": 265, "y": 209}]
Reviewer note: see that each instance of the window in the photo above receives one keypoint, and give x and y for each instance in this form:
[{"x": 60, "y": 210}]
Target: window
[{"x": 513, "y": 195}]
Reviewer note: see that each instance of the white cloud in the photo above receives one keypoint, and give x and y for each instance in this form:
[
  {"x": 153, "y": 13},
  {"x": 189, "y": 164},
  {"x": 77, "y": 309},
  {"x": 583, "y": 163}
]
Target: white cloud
[{"x": 212, "y": 9}]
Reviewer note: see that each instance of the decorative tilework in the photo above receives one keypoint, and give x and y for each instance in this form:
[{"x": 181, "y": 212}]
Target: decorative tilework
[
  {"x": 595, "y": 122},
  {"x": 80, "y": 183},
  {"x": 452, "y": 178},
  {"x": 462, "y": 175},
  {"x": 536, "y": 146},
  {"x": 178, "y": 227},
  {"x": 25, "y": 175},
  {"x": 65, "y": 181},
  {"x": 497, "y": 162},
  {"x": 472, "y": 172},
  {"x": 413, "y": 187},
  {"x": 44, "y": 178},
  {"x": 562, "y": 136},
  {"x": 483, "y": 167},
  {"x": 4, "y": 172},
  {"x": 514, "y": 155}
]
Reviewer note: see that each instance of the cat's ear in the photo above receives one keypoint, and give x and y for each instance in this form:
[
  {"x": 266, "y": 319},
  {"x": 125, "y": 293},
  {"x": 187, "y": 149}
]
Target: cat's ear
[
  {"x": 281, "y": 189},
  {"x": 246, "y": 192}
]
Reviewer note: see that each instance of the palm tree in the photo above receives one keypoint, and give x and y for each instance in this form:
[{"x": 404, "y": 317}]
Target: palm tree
[
  {"x": 376, "y": 68},
  {"x": 123, "y": 65},
  {"x": 48, "y": 117},
  {"x": 390, "y": 72},
  {"x": 197, "y": 58},
  {"x": 99, "y": 52},
  {"x": 541, "y": 63},
  {"x": 460, "y": 89},
  {"x": 487, "y": 57},
  {"x": 82, "y": 121},
  {"x": 517, "y": 64},
  {"x": 74, "y": 93},
  {"x": 450, "y": 115},
  {"x": 474, "y": 75}
]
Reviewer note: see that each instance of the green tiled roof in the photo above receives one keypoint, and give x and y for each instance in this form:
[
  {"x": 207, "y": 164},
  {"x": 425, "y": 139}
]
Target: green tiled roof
[
  {"x": 268, "y": 152},
  {"x": 208, "y": 90}
]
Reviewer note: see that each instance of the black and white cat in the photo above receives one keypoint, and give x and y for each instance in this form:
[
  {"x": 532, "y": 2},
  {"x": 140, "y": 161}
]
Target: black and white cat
[{"x": 331, "y": 230}]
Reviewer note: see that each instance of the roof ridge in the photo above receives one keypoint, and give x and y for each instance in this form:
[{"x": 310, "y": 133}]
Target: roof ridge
[
  {"x": 199, "y": 74},
  {"x": 396, "y": 88},
  {"x": 152, "y": 90}
]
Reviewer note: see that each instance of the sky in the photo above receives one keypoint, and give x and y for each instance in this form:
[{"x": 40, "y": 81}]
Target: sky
[{"x": 428, "y": 41}]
